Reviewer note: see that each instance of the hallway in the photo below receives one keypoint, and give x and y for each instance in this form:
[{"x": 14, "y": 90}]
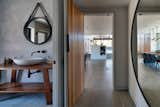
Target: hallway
[{"x": 98, "y": 87}]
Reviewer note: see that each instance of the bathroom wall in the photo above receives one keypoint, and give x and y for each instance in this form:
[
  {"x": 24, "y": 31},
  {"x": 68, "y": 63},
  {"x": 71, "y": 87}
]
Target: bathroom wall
[
  {"x": 133, "y": 85},
  {"x": 14, "y": 14}
]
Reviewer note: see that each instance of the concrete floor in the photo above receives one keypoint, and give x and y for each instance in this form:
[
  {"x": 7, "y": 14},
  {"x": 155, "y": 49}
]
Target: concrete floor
[
  {"x": 99, "y": 88},
  {"x": 149, "y": 79},
  {"x": 24, "y": 100}
]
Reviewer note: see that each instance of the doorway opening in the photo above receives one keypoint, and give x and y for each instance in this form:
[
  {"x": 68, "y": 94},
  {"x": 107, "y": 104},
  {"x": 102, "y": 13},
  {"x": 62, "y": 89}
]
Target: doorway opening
[
  {"x": 93, "y": 69},
  {"x": 98, "y": 46}
]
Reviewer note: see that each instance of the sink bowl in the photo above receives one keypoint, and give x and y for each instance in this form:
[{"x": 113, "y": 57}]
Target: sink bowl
[{"x": 29, "y": 61}]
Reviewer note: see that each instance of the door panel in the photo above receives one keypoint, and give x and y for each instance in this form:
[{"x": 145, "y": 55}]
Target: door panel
[{"x": 76, "y": 53}]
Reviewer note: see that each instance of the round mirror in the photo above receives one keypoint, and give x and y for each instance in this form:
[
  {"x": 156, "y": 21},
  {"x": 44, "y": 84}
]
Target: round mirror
[
  {"x": 38, "y": 30},
  {"x": 146, "y": 49}
]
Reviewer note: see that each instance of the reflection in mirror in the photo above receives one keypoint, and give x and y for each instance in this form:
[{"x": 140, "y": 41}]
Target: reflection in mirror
[
  {"x": 146, "y": 49},
  {"x": 37, "y": 31}
]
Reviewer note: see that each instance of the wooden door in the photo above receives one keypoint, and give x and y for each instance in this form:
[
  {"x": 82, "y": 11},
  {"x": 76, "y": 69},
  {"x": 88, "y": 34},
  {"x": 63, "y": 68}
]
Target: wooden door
[
  {"x": 75, "y": 53},
  {"x": 147, "y": 43}
]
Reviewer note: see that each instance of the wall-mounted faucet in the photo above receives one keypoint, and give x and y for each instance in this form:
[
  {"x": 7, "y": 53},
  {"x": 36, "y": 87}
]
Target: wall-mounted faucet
[
  {"x": 42, "y": 51},
  {"x": 35, "y": 52},
  {"x": 30, "y": 72}
]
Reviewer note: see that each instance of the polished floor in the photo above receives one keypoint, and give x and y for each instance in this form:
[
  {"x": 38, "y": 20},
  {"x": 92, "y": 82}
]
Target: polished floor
[
  {"x": 99, "y": 89},
  {"x": 149, "y": 79}
]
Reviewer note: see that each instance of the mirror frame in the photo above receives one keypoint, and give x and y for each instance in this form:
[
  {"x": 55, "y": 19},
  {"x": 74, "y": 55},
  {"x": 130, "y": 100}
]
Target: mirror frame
[
  {"x": 132, "y": 57},
  {"x": 32, "y": 17},
  {"x": 50, "y": 28}
]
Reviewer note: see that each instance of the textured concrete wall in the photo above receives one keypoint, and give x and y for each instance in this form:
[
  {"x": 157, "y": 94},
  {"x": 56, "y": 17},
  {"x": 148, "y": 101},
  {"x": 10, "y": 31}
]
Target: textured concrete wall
[{"x": 13, "y": 16}]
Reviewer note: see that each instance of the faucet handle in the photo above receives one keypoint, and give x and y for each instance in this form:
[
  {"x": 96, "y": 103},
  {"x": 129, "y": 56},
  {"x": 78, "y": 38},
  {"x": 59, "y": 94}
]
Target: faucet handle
[
  {"x": 38, "y": 51},
  {"x": 44, "y": 51}
]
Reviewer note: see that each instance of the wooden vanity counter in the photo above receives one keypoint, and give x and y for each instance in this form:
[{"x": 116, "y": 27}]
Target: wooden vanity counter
[{"x": 17, "y": 87}]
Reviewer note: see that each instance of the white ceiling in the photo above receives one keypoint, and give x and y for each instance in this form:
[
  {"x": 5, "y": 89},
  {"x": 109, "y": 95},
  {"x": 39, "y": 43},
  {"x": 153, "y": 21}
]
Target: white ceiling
[
  {"x": 102, "y": 3},
  {"x": 98, "y": 24},
  {"x": 151, "y": 16},
  {"x": 150, "y": 3},
  {"x": 147, "y": 21}
]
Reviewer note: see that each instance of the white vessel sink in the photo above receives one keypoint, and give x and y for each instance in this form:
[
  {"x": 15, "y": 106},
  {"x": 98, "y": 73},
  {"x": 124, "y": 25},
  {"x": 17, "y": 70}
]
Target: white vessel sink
[{"x": 29, "y": 61}]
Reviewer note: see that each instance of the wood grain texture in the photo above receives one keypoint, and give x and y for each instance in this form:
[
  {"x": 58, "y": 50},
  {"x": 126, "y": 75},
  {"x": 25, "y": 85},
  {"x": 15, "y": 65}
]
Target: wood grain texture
[
  {"x": 14, "y": 75},
  {"x": 33, "y": 67},
  {"x": 47, "y": 86},
  {"x": 76, "y": 53},
  {"x": 15, "y": 87},
  {"x": 22, "y": 88}
]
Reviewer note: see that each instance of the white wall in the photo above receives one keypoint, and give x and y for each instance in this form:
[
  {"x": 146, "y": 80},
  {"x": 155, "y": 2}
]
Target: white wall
[
  {"x": 120, "y": 41},
  {"x": 98, "y": 24},
  {"x": 120, "y": 44},
  {"x": 133, "y": 85}
]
